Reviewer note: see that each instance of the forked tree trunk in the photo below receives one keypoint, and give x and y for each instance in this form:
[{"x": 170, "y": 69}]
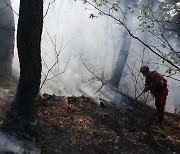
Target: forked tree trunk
[{"x": 29, "y": 42}]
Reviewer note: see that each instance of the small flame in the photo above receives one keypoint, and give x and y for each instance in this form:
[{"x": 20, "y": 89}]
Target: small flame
[
  {"x": 69, "y": 105},
  {"x": 66, "y": 99}
]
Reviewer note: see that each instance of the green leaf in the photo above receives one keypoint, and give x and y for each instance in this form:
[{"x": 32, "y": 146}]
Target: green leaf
[
  {"x": 139, "y": 17},
  {"x": 148, "y": 26},
  {"x": 114, "y": 7},
  {"x": 163, "y": 61},
  {"x": 92, "y": 16},
  {"x": 169, "y": 71},
  {"x": 135, "y": 5},
  {"x": 101, "y": 13},
  {"x": 105, "y": 1},
  {"x": 173, "y": 58},
  {"x": 144, "y": 9}
]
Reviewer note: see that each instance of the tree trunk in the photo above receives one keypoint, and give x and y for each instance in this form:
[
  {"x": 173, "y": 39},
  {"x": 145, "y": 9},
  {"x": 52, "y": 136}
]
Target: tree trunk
[
  {"x": 124, "y": 51},
  {"x": 121, "y": 61},
  {"x": 28, "y": 43},
  {"x": 6, "y": 38}
]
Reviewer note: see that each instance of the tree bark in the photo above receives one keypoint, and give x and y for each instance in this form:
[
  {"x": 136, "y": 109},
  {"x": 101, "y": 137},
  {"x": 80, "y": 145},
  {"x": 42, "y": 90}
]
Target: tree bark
[{"x": 29, "y": 32}]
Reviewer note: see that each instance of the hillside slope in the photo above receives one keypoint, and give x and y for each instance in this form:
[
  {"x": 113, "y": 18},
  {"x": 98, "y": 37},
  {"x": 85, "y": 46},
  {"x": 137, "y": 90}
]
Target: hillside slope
[{"x": 93, "y": 128}]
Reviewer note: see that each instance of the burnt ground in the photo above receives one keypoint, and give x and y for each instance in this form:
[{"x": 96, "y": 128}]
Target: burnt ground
[{"x": 91, "y": 128}]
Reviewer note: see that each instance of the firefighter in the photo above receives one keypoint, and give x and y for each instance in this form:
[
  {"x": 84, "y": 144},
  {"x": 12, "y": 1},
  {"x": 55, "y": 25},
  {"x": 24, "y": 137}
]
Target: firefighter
[{"x": 157, "y": 85}]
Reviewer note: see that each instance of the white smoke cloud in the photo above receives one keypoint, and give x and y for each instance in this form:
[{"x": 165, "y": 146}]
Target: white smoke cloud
[
  {"x": 11, "y": 144},
  {"x": 69, "y": 24}
]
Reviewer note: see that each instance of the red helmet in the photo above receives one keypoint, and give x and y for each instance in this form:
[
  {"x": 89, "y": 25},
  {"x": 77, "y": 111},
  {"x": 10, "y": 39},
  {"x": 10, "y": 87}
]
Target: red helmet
[{"x": 144, "y": 69}]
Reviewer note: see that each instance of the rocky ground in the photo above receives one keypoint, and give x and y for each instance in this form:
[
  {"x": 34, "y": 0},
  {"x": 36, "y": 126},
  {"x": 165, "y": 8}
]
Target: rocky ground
[{"x": 88, "y": 127}]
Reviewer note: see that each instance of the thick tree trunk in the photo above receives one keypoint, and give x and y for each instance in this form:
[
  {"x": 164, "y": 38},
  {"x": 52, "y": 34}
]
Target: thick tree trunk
[
  {"x": 6, "y": 38},
  {"x": 29, "y": 42}
]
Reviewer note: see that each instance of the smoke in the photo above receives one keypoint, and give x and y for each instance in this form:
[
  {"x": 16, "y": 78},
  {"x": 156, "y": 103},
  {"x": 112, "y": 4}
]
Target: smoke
[
  {"x": 80, "y": 41},
  {"x": 6, "y": 37},
  {"x": 73, "y": 26},
  {"x": 11, "y": 144}
]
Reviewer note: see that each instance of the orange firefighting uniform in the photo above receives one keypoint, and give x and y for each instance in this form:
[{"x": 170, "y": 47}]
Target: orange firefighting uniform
[{"x": 158, "y": 88}]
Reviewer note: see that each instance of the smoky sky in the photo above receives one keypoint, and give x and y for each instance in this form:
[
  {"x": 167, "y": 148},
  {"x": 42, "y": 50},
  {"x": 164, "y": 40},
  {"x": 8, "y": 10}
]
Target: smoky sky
[{"x": 69, "y": 31}]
